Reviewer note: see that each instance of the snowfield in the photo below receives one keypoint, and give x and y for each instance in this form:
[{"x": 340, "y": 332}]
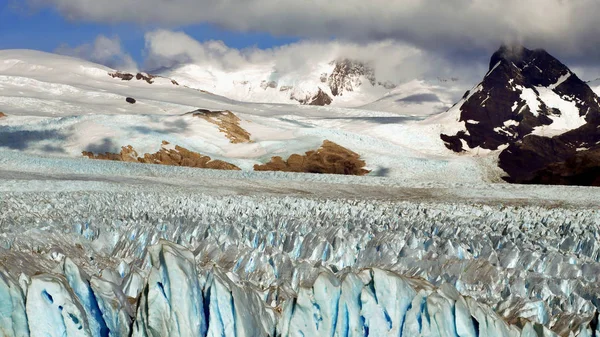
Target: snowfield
[
  {"x": 62, "y": 106},
  {"x": 431, "y": 243}
]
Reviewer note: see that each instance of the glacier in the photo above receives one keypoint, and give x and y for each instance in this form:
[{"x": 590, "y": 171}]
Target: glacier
[
  {"x": 180, "y": 300},
  {"x": 123, "y": 263}
]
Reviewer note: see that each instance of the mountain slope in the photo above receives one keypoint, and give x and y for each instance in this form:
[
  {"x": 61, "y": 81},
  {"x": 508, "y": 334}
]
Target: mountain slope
[{"x": 417, "y": 98}]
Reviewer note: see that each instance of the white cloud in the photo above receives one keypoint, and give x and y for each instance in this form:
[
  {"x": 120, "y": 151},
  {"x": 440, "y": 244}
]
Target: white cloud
[
  {"x": 392, "y": 60},
  {"x": 103, "y": 50},
  {"x": 558, "y": 25}
]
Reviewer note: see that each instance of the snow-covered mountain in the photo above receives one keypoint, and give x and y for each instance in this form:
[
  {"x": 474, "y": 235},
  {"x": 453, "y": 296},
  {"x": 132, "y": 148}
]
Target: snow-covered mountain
[
  {"x": 343, "y": 83},
  {"x": 532, "y": 107}
]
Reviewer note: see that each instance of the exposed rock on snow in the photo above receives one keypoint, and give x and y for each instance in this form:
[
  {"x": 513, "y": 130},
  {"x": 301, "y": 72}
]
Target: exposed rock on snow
[
  {"x": 268, "y": 84},
  {"x": 330, "y": 158},
  {"x": 320, "y": 98},
  {"x": 177, "y": 156},
  {"x": 130, "y": 100},
  {"x": 122, "y": 76},
  {"x": 227, "y": 122},
  {"x": 127, "y": 154},
  {"x": 2, "y": 115},
  {"x": 347, "y": 75},
  {"x": 148, "y": 78}
]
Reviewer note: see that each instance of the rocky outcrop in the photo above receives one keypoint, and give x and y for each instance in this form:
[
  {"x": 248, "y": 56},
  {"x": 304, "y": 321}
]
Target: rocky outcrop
[
  {"x": 330, "y": 158},
  {"x": 122, "y": 76},
  {"x": 268, "y": 84},
  {"x": 532, "y": 108},
  {"x": 347, "y": 75},
  {"x": 148, "y": 78},
  {"x": 320, "y": 98},
  {"x": 127, "y": 154},
  {"x": 130, "y": 100},
  {"x": 228, "y": 123},
  {"x": 177, "y": 156},
  {"x": 2, "y": 115},
  {"x": 582, "y": 169}
]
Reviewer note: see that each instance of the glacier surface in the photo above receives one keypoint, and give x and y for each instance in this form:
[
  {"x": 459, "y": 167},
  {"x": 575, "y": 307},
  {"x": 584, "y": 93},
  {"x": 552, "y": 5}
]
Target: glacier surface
[{"x": 109, "y": 263}]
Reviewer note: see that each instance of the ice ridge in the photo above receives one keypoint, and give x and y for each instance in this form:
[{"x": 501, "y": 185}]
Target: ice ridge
[{"x": 179, "y": 299}]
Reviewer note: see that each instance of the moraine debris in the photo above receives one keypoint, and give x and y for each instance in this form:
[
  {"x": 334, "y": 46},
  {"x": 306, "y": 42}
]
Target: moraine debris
[
  {"x": 330, "y": 158},
  {"x": 167, "y": 155}
]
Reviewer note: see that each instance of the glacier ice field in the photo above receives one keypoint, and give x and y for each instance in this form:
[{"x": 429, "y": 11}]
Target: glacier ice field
[{"x": 109, "y": 263}]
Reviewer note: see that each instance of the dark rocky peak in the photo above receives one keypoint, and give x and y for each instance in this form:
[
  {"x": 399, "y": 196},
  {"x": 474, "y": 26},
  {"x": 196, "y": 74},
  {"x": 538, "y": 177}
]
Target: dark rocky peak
[
  {"x": 524, "y": 90},
  {"x": 524, "y": 58},
  {"x": 510, "y": 54},
  {"x": 543, "y": 118},
  {"x": 346, "y": 76},
  {"x": 537, "y": 67},
  {"x": 320, "y": 98}
]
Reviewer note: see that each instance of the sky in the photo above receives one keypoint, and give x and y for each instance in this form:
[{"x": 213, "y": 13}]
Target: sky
[
  {"x": 405, "y": 38},
  {"x": 45, "y": 29}
]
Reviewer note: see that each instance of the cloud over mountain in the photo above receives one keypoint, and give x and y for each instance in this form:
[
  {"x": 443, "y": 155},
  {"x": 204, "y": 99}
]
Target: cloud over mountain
[
  {"x": 392, "y": 60},
  {"x": 104, "y": 50},
  {"x": 568, "y": 26}
]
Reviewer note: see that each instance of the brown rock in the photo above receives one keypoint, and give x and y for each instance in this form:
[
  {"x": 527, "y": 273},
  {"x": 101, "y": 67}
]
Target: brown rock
[
  {"x": 2, "y": 115},
  {"x": 320, "y": 98},
  {"x": 127, "y": 154},
  {"x": 146, "y": 77},
  {"x": 122, "y": 76},
  {"x": 227, "y": 122},
  {"x": 139, "y": 76},
  {"x": 330, "y": 158},
  {"x": 174, "y": 157}
]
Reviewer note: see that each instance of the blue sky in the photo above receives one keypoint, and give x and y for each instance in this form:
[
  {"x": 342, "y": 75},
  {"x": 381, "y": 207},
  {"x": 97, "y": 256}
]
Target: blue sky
[{"x": 46, "y": 30}]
